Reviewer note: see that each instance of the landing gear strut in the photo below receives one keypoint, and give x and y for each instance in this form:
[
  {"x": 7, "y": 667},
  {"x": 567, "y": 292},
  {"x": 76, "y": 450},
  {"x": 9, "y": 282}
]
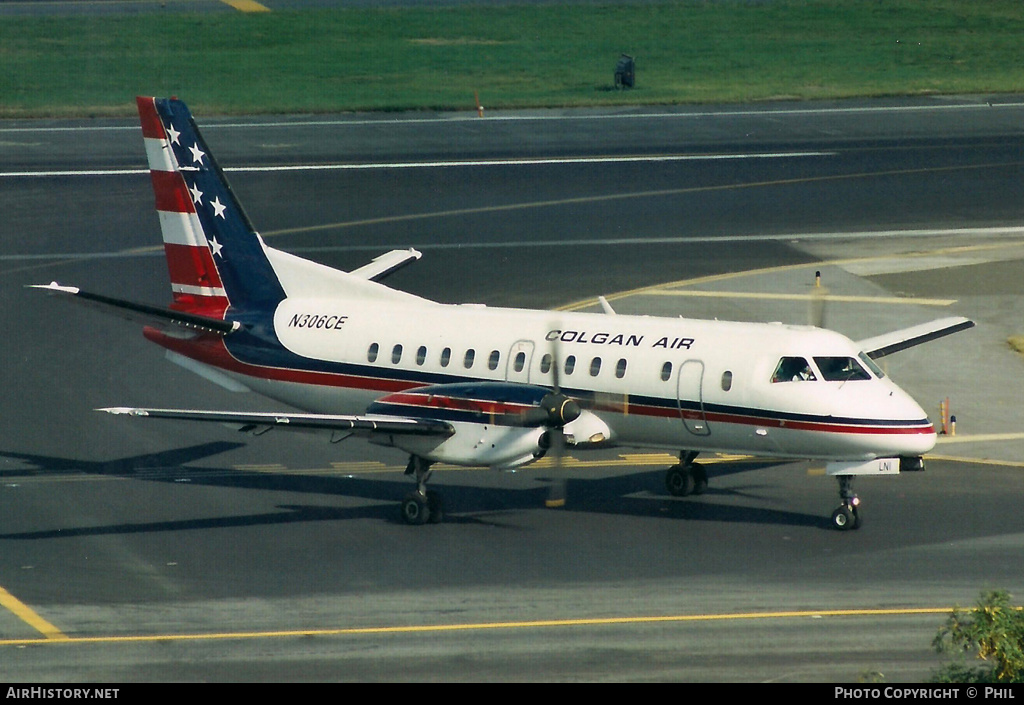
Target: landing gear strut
[
  {"x": 687, "y": 477},
  {"x": 421, "y": 505},
  {"x": 846, "y": 516}
]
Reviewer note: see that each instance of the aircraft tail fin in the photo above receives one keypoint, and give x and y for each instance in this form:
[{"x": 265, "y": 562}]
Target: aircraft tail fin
[{"x": 215, "y": 258}]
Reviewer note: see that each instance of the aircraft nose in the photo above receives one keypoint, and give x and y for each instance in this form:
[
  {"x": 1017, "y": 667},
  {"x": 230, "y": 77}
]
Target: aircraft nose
[
  {"x": 900, "y": 427},
  {"x": 920, "y": 436}
]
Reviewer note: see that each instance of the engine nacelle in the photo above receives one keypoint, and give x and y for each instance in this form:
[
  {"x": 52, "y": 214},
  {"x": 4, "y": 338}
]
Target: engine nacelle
[
  {"x": 496, "y": 424},
  {"x": 498, "y": 447},
  {"x": 588, "y": 430}
]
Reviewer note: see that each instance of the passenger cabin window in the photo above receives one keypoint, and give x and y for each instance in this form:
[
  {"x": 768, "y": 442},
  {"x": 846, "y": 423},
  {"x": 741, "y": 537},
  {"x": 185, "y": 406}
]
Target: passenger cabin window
[
  {"x": 492, "y": 361},
  {"x": 421, "y": 355},
  {"x": 666, "y": 371},
  {"x": 570, "y": 364},
  {"x": 595, "y": 367},
  {"x": 545, "y": 364},
  {"x": 793, "y": 369},
  {"x": 840, "y": 369},
  {"x": 520, "y": 362},
  {"x": 396, "y": 354},
  {"x": 372, "y": 353},
  {"x": 620, "y": 368},
  {"x": 446, "y": 357},
  {"x": 726, "y": 381},
  {"x": 467, "y": 362}
]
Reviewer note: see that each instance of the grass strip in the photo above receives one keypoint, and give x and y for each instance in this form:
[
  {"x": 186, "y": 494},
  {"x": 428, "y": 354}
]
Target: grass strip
[{"x": 511, "y": 56}]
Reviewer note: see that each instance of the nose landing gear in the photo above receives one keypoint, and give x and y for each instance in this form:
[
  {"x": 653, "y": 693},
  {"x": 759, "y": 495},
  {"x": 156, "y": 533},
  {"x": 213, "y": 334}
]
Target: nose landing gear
[{"x": 846, "y": 517}]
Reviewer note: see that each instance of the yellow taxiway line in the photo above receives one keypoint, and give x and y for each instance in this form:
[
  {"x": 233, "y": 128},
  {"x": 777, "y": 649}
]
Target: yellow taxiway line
[
  {"x": 482, "y": 626},
  {"x": 761, "y": 295},
  {"x": 246, "y": 5},
  {"x": 26, "y": 614}
]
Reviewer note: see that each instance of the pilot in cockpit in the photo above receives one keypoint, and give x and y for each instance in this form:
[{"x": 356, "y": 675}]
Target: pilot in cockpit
[{"x": 793, "y": 369}]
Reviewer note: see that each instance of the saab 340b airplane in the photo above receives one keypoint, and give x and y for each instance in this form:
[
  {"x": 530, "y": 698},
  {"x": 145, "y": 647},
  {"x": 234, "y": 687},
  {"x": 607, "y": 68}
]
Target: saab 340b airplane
[{"x": 476, "y": 386}]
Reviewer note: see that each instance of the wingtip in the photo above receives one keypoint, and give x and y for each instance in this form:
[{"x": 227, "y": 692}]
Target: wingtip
[
  {"x": 124, "y": 411},
  {"x": 54, "y": 286}
]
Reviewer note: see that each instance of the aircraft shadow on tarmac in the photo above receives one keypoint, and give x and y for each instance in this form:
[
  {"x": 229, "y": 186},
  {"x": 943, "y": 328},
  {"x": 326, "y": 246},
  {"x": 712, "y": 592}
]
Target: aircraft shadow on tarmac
[{"x": 638, "y": 494}]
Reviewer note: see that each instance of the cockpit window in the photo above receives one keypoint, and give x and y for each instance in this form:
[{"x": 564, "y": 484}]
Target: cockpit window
[
  {"x": 871, "y": 365},
  {"x": 793, "y": 369},
  {"x": 840, "y": 369}
]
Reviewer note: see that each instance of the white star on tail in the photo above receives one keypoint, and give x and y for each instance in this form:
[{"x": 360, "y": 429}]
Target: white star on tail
[
  {"x": 197, "y": 154},
  {"x": 197, "y": 195},
  {"x": 172, "y": 134},
  {"x": 216, "y": 247},
  {"x": 218, "y": 208}
]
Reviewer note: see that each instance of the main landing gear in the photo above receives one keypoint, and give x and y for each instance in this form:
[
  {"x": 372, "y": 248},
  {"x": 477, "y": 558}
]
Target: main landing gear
[
  {"x": 846, "y": 516},
  {"x": 687, "y": 477},
  {"x": 421, "y": 505}
]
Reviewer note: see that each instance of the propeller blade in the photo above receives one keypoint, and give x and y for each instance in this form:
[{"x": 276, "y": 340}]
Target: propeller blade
[
  {"x": 557, "y": 482},
  {"x": 559, "y": 410},
  {"x": 816, "y": 313},
  {"x": 556, "y": 366}
]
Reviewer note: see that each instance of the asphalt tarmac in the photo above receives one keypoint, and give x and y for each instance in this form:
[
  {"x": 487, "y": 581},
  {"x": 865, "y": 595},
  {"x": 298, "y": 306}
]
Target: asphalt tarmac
[{"x": 163, "y": 552}]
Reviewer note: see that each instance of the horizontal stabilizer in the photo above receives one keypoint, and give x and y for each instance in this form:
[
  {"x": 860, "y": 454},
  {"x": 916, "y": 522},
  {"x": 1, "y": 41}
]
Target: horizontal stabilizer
[
  {"x": 142, "y": 313},
  {"x": 387, "y": 263},
  {"x": 367, "y": 425},
  {"x": 889, "y": 343}
]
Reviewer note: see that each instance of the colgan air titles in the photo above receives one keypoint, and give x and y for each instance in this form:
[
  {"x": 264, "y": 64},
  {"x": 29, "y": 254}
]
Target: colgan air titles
[{"x": 626, "y": 339}]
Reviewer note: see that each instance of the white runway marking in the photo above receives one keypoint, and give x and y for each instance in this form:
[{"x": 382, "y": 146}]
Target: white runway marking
[
  {"x": 524, "y": 116},
  {"x": 540, "y": 161},
  {"x": 157, "y": 250}
]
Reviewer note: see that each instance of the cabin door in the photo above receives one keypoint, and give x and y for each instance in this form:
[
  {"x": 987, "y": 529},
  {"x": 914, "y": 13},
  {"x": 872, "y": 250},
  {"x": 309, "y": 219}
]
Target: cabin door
[{"x": 690, "y": 396}]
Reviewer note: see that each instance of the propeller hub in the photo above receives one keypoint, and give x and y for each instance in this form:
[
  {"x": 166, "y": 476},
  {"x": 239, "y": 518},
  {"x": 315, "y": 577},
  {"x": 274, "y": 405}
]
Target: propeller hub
[{"x": 560, "y": 409}]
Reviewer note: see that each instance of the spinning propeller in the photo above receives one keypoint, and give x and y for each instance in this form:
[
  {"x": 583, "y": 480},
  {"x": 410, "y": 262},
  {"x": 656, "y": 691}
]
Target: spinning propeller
[
  {"x": 560, "y": 410},
  {"x": 818, "y": 301}
]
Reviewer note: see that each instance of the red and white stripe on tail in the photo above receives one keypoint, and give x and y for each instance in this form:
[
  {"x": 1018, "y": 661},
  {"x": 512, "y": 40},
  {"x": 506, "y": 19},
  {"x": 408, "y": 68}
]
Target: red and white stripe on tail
[{"x": 195, "y": 282}]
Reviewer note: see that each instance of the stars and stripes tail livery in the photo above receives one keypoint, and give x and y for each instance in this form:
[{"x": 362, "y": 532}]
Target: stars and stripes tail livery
[
  {"x": 215, "y": 258},
  {"x": 472, "y": 385}
]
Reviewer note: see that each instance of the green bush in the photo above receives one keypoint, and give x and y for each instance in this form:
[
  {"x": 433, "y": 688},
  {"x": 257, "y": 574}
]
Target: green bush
[{"x": 994, "y": 632}]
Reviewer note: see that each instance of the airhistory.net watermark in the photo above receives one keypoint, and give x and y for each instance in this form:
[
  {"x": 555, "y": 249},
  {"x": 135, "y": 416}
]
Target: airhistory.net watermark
[{"x": 62, "y": 693}]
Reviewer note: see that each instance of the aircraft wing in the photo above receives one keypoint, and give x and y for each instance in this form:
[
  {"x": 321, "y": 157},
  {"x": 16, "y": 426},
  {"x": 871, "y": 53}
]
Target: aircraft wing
[
  {"x": 142, "y": 313},
  {"x": 258, "y": 421},
  {"x": 889, "y": 343}
]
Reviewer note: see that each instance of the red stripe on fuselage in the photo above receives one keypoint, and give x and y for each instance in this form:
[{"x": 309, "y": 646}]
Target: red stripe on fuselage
[
  {"x": 172, "y": 194},
  {"x": 755, "y": 419},
  {"x": 151, "y": 125},
  {"x": 212, "y": 351}
]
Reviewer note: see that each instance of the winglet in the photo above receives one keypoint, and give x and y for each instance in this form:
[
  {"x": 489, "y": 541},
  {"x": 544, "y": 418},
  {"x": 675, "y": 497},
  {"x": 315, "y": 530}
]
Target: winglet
[{"x": 889, "y": 343}]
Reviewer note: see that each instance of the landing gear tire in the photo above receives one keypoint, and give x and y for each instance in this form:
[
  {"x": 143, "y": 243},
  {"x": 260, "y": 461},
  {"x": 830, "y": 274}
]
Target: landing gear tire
[
  {"x": 846, "y": 518},
  {"x": 435, "y": 509},
  {"x": 700, "y": 478},
  {"x": 421, "y": 506},
  {"x": 416, "y": 509},
  {"x": 679, "y": 481}
]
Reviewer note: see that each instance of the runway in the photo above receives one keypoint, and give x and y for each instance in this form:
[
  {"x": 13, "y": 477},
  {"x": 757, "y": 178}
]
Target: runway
[{"x": 164, "y": 552}]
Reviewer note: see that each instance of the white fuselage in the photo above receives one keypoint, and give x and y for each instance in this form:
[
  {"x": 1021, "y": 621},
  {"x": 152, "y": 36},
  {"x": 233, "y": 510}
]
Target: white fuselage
[{"x": 657, "y": 382}]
